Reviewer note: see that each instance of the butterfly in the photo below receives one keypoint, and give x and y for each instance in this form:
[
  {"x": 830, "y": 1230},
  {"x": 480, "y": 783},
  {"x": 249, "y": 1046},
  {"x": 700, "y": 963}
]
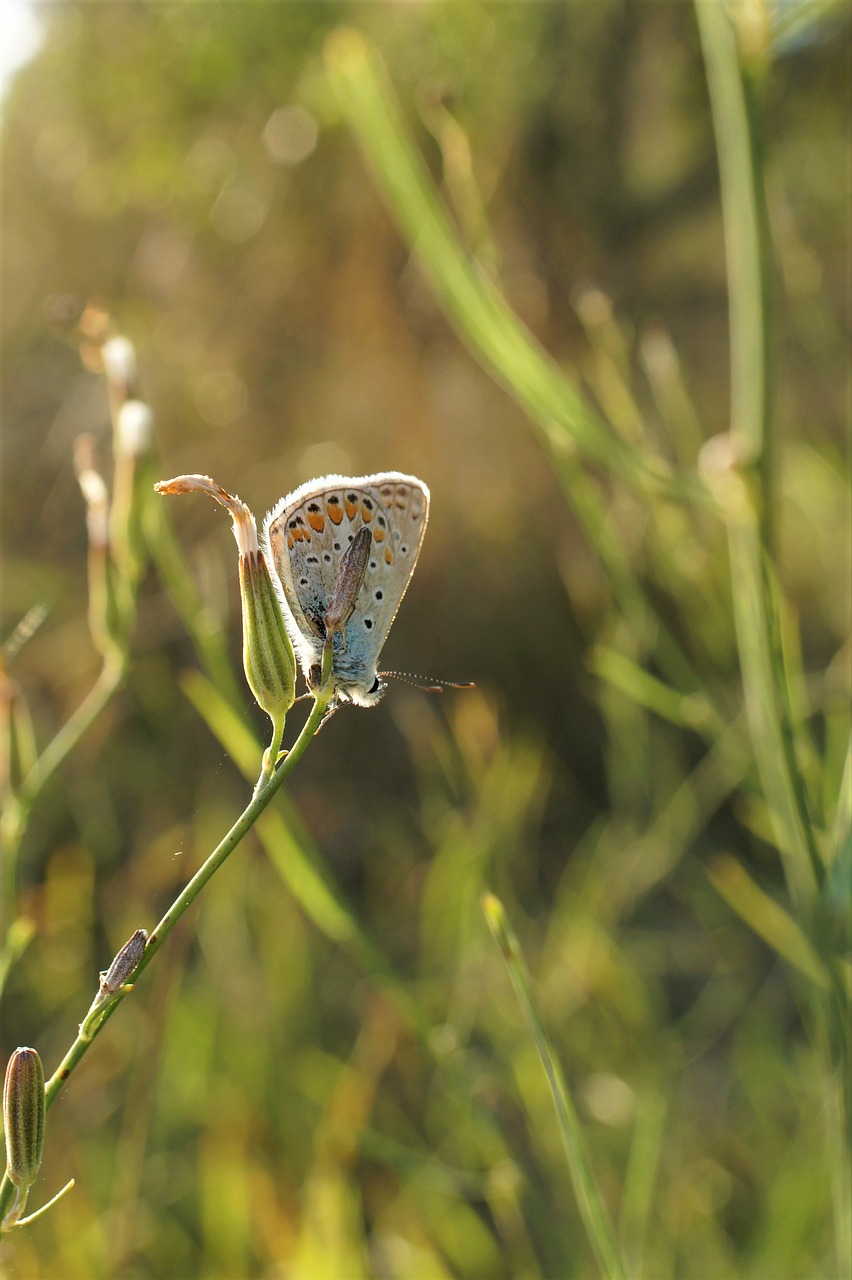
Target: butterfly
[{"x": 343, "y": 551}]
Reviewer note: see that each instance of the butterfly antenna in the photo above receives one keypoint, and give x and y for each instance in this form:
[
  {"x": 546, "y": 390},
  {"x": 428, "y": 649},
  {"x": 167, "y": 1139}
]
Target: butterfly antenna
[{"x": 427, "y": 683}]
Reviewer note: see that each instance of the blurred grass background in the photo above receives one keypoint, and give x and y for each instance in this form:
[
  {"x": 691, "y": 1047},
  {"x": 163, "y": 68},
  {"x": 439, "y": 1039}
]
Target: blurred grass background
[{"x": 283, "y": 1098}]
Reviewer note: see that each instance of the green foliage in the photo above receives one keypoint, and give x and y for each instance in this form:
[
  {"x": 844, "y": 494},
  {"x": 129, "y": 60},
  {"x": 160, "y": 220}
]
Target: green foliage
[{"x": 326, "y": 1072}]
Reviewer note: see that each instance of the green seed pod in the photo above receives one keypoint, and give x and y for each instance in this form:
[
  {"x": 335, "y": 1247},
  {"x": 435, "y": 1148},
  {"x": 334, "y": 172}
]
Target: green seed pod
[
  {"x": 268, "y": 659},
  {"x": 23, "y": 1117}
]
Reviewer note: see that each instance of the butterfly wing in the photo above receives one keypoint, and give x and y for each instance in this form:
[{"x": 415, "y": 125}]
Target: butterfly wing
[
  {"x": 307, "y": 533},
  {"x": 402, "y": 510}
]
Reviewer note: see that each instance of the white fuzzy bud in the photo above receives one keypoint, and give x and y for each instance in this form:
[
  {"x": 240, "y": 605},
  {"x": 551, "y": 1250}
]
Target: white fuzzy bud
[
  {"x": 119, "y": 357},
  {"x": 135, "y": 428}
]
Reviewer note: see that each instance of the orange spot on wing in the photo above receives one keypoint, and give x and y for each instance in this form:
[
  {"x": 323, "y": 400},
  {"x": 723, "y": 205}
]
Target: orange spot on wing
[
  {"x": 301, "y": 535},
  {"x": 378, "y": 535},
  {"x": 290, "y": 541},
  {"x": 388, "y": 556},
  {"x": 316, "y": 520},
  {"x": 351, "y": 508},
  {"x": 334, "y": 512},
  {"x": 366, "y": 513}
]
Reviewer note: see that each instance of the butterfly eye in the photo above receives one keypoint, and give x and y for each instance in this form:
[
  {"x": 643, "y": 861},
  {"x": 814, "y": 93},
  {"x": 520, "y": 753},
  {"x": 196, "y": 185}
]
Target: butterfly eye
[{"x": 374, "y": 687}]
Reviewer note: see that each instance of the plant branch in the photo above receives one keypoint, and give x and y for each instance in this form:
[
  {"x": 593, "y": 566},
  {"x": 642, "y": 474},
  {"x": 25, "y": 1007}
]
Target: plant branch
[
  {"x": 745, "y": 498},
  {"x": 92, "y": 1025},
  {"x": 738, "y": 466}
]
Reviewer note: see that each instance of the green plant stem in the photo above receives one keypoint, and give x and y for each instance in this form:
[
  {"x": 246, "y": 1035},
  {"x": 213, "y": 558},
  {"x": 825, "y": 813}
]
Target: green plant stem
[
  {"x": 748, "y": 253},
  {"x": 92, "y": 1025},
  {"x": 270, "y": 755},
  {"x": 763, "y": 674},
  {"x": 110, "y": 679},
  {"x": 767, "y": 719},
  {"x": 117, "y": 568},
  {"x": 745, "y": 228},
  {"x": 596, "y": 1220},
  {"x": 300, "y": 865},
  {"x": 260, "y": 799}
]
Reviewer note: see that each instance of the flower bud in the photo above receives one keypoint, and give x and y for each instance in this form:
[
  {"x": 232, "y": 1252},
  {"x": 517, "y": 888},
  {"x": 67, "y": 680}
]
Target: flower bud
[
  {"x": 112, "y": 981},
  {"x": 119, "y": 360},
  {"x": 23, "y": 1117},
  {"x": 105, "y": 620},
  {"x": 134, "y": 428},
  {"x": 268, "y": 659},
  {"x": 124, "y": 963},
  {"x": 94, "y": 490}
]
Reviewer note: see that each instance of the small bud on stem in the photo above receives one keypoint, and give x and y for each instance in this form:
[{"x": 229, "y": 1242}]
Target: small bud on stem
[
  {"x": 119, "y": 360},
  {"x": 94, "y": 490},
  {"x": 134, "y": 428},
  {"x": 113, "y": 981},
  {"x": 268, "y": 659},
  {"x": 124, "y": 963},
  {"x": 23, "y": 1122}
]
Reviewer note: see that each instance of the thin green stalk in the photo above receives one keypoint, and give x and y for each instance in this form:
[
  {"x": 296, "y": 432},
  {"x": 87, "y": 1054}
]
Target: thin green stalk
[
  {"x": 745, "y": 493},
  {"x": 109, "y": 680},
  {"x": 596, "y": 1220},
  {"x": 92, "y": 1025},
  {"x": 260, "y": 799},
  {"x": 299, "y": 862},
  {"x": 640, "y": 1179},
  {"x": 270, "y": 755},
  {"x": 115, "y": 566},
  {"x": 841, "y": 834},
  {"x": 770, "y": 734},
  {"x": 747, "y": 249}
]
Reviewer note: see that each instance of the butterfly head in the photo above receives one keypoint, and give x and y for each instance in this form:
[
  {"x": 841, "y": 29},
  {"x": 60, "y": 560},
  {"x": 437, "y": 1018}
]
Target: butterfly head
[
  {"x": 358, "y": 692},
  {"x": 366, "y": 696}
]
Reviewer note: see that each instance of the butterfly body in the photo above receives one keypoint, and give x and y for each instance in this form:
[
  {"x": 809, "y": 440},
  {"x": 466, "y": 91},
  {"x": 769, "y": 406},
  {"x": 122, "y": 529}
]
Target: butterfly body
[{"x": 307, "y": 535}]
